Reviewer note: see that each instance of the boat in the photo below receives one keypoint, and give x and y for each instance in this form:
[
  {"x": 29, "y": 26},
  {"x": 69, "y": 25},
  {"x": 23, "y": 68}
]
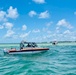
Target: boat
[
  {"x": 26, "y": 48},
  {"x": 54, "y": 43}
]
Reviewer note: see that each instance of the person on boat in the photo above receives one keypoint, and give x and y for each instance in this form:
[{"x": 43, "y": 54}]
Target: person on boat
[
  {"x": 34, "y": 44},
  {"x": 21, "y": 45},
  {"x": 28, "y": 45}
]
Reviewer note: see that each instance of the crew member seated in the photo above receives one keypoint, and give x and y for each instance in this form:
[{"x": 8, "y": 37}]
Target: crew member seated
[
  {"x": 28, "y": 45},
  {"x": 21, "y": 45},
  {"x": 34, "y": 45}
]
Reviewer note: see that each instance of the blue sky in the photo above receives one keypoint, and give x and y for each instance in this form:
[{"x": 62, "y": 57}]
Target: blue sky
[{"x": 37, "y": 20}]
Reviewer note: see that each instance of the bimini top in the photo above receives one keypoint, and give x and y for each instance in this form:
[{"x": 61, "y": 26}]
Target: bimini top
[{"x": 27, "y": 44}]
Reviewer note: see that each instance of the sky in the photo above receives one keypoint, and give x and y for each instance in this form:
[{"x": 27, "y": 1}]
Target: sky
[{"x": 37, "y": 20}]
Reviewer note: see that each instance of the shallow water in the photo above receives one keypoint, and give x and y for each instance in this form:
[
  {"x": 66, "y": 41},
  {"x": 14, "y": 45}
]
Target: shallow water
[{"x": 59, "y": 60}]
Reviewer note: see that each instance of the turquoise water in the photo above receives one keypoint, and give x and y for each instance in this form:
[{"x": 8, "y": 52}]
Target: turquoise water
[{"x": 59, "y": 60}]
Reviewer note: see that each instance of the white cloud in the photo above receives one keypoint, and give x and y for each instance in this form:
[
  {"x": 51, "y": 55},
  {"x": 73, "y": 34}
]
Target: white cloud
[
  {"x": 67, "y": 32},
  {"x": 57, "y": 29},
  {"x": 44, "y": 29},
  {"x": 69, "y": 35},
  {"x": 75, "y": 13},
  {"x": 9, "y": 34},
  {"x": 8, "y": 25},
  {"x": 12, "y": 12},
  {"x": 74, "y": 38},
  {"x": 64, "y": 23},
  {"x": 36, "y": 31},
  {"x": 32, "y": 13},
  {"x": 49, "y": 32},
  {"x": 44, "y": 14},
  {"x": 1, "y": 26},
  {"x": 39, "y": 1},
  {"x": 24, "y": 35},
  {"x": 24, "y": 27},
  {"x": 3, "y": 16},
  {"x": 49, "y": 23}
]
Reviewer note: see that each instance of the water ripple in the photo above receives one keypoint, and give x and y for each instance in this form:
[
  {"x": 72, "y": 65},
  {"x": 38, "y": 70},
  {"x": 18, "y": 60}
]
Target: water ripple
[{"x": 59, "y": 60}]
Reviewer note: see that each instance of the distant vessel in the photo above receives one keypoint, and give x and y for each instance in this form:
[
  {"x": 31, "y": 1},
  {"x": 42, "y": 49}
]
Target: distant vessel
[
  {"x": 54, "y": 42},
  {"x": 26, "y": 48}
]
